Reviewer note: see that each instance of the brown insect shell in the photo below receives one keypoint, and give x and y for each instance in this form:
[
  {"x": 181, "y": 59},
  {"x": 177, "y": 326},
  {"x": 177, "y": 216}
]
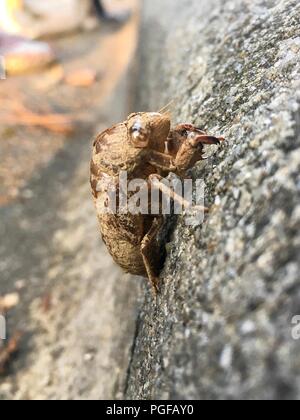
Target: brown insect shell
[{"x": 125, "y": 146}]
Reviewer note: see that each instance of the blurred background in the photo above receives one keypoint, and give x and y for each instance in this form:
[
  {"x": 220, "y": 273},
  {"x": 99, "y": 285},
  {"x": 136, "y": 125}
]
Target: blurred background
[{"x": 65, "y": 73}]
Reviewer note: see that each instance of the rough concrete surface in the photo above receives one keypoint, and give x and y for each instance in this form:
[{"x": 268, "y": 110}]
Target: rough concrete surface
[{"x": 222, "y": 326}]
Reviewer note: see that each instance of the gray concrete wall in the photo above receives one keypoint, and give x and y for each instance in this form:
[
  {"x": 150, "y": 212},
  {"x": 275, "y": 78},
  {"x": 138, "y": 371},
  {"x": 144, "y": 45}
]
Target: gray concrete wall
[{"x": 222, "y": 326}]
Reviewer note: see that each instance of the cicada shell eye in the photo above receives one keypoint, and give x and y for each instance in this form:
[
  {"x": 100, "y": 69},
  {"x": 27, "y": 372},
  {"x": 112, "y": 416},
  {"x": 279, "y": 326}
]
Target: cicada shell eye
[{"x": 139, "y": 133}]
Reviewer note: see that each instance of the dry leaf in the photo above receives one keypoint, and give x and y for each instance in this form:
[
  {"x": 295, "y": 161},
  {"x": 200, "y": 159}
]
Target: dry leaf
[{"x": 81, "y": 78}]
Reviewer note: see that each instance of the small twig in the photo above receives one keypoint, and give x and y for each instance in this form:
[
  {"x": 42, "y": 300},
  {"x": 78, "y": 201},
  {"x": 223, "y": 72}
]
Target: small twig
[
  {"x": 9, "y": 350},
  {"x": 18, "y": 114}
]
